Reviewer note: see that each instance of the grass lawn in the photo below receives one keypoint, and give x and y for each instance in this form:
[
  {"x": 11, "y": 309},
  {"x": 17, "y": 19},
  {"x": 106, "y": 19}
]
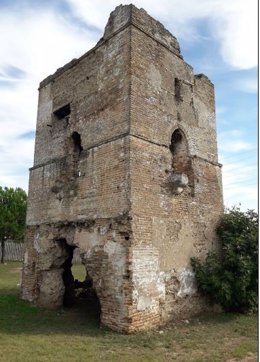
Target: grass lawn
[{"x": 34, "y": 334}]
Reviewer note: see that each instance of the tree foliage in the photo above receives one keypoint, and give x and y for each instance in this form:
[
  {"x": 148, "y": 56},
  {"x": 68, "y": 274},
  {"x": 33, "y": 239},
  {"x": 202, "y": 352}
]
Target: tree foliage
[
  {"x": 12, "y": 215},
  {"x": 230, "y": 278}
]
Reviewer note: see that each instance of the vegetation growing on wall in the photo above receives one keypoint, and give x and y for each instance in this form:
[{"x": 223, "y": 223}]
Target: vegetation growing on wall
[{"x": 230, "y": 278}]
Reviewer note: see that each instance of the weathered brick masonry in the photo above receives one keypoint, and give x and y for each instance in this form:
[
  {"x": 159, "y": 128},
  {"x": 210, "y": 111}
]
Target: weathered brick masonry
[{"x": 126, "y": 169}]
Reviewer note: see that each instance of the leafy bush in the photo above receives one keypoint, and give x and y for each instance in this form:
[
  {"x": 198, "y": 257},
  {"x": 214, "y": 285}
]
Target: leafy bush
[{"x": 230, "y": 278}]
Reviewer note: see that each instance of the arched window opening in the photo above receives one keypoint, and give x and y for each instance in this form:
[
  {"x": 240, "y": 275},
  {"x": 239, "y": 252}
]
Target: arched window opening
[
  {"x": 182, "y": 174},
  {"x": 180, "y": 152},
  {"x": 175, "y": 140}
]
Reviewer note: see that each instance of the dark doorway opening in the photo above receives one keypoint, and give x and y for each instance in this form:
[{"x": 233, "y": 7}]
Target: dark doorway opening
[{"x": 80, "y": 293}]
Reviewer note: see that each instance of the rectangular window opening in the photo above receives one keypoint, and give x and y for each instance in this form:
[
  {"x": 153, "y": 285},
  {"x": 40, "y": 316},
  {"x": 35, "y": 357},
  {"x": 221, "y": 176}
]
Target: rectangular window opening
[
  {"x": 62, "y": 112},
  {"x": 178, "y": 89}
]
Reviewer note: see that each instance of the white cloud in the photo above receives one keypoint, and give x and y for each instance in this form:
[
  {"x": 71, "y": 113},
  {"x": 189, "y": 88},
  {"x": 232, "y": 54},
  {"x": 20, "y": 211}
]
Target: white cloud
[
  {"x": 239, "y": 172},
  {"x": 237, "y": 32},
  {"x": 240, "y": 184},
  {"x": 16, "y": 155},
  {"x": 37, "y": 42},
  {"x": 233, "y": 23},
  {"x": 236, "y": 146},
  {"x": 248, "y": 85},
  {"x": 233, "y": 142}
]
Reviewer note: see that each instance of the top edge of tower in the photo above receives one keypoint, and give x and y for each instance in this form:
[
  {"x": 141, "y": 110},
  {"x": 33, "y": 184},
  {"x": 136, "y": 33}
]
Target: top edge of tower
[
  {"x": 125, "y": 15},
  {"x": 120, "y": 18}
]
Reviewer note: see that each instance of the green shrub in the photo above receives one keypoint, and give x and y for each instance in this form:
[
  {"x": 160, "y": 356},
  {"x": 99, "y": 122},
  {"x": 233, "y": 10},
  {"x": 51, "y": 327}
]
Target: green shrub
[{"x": 230, "y": 278}]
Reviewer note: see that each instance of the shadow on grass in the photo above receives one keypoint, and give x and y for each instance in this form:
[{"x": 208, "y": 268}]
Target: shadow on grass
[
  {"x": 20, "y": 317},
  {"x": 214, "y": 319}
]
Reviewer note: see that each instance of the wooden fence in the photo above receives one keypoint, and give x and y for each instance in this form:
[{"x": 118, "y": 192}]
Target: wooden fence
[{"x": 15, "y": 252}]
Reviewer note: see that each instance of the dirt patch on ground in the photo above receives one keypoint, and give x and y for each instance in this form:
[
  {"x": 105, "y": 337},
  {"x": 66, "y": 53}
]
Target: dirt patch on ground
[
  {"x": 250, "y": 357},
  {"x": 15, "y": 271}
]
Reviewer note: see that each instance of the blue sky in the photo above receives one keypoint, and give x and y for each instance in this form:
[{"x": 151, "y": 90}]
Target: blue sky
[{"x": 217, "y": 37}]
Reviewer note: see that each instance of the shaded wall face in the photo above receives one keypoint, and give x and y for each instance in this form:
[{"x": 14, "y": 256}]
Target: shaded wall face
[
  {"x": 80, "y": 165},
  {"x": 95, "y": 186},
  {"x": 79, "y": 185},
  {"x": 96, "y": 89},
  {"x": 170, "y": 227}
]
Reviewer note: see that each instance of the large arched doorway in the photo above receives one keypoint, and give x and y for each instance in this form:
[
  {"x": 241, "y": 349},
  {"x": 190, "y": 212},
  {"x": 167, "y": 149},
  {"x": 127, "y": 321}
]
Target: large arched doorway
[{"x": 79, "y": 291}]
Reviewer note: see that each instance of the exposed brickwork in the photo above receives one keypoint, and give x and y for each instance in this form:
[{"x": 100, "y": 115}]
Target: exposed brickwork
[{"x": 125, "y": 169}]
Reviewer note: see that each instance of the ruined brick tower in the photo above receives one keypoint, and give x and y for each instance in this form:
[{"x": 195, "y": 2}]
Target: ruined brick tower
[{"x": 126, "y": 170}]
